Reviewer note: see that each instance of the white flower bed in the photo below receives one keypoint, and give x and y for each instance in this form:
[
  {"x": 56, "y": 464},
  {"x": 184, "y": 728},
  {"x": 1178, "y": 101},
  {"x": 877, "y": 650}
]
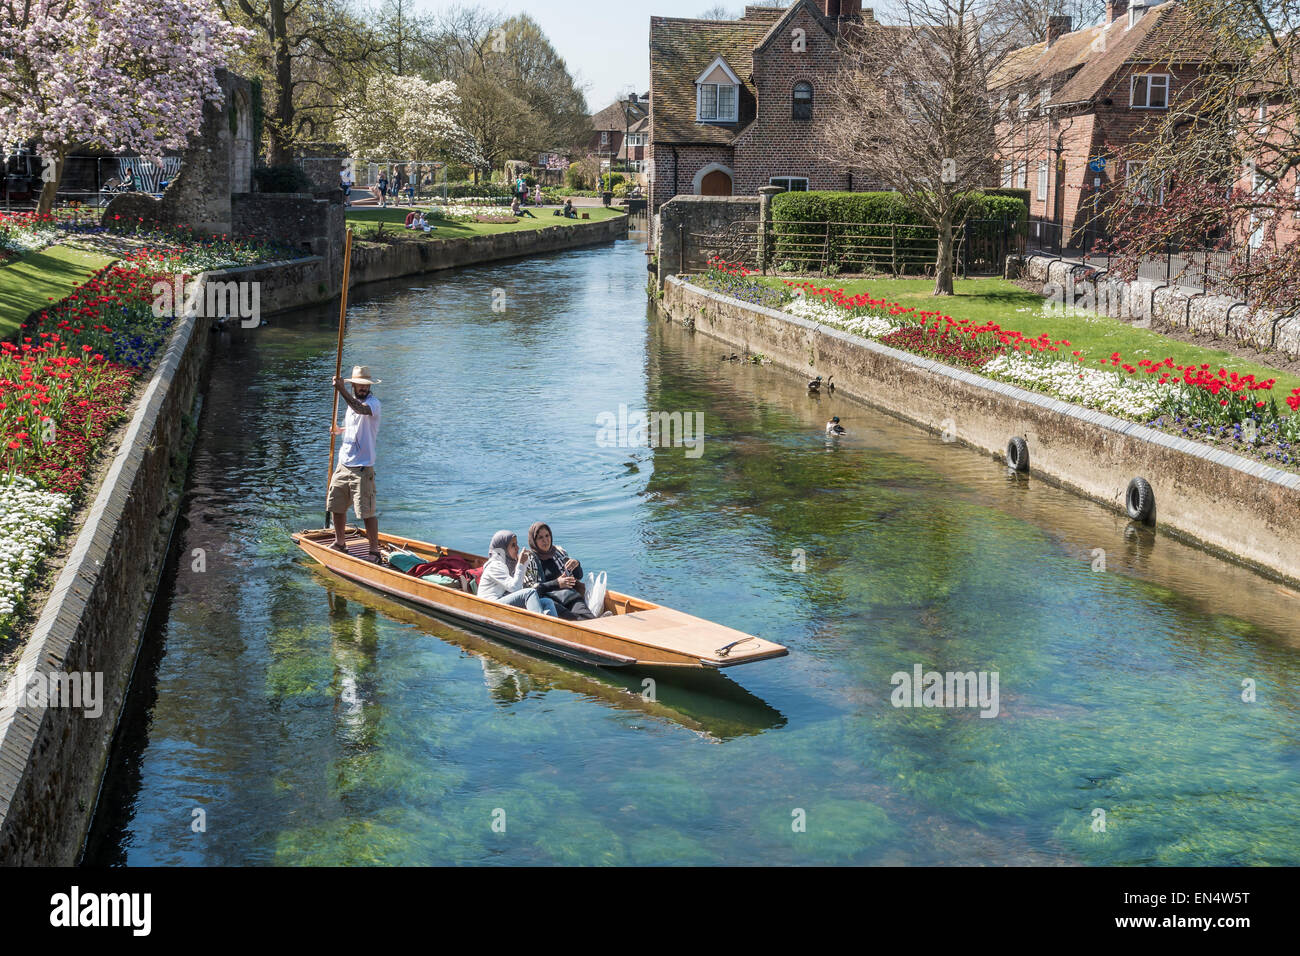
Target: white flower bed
[
  {"x": 815, "y": 310},
  {"x": 29, "y": 523},
  {"x": 28, "y": 240},
  {"x": 1105, "y": 391},
  {"x": 465, "y": 212}
]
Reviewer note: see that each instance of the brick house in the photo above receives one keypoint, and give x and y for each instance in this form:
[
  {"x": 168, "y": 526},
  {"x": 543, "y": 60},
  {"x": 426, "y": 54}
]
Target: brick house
[
  {"x": 734, "y": 103},
  {"x": 621, "y": 135},
  {"x": 1071, "y": 104},
  {"x": 1269, "y": 141}
]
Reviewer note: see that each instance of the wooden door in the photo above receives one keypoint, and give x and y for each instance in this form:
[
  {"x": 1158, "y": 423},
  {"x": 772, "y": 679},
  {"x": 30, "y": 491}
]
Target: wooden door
[{"x": 716, "y": 183}]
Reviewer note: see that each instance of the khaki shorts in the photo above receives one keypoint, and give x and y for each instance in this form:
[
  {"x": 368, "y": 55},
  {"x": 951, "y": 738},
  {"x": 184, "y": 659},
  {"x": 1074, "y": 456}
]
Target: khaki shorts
[{"x": 355, "y": 487}]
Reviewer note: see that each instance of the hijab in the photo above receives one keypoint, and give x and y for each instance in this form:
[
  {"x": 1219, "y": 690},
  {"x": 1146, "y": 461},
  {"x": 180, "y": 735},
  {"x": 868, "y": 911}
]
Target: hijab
[
  {"x": 532, "y": 541},
  {"x": 497, "y": 549}
]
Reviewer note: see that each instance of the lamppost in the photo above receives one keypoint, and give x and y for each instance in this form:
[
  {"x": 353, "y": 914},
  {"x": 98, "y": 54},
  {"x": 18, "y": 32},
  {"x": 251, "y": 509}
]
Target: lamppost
[{"x": 1060, "y": 177}]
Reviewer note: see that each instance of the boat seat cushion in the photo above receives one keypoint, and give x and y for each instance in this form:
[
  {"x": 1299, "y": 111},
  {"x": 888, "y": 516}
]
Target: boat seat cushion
[{"x": 404, "y": 562}]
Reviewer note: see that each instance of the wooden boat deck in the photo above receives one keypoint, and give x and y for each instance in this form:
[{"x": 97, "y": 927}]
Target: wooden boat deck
[{"x": 638, "y": 632}]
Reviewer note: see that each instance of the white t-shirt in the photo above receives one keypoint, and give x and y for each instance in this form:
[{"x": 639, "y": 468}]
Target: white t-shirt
[
  {"x": 359, "y": 434},
  {"x": 346, "y": 177}
]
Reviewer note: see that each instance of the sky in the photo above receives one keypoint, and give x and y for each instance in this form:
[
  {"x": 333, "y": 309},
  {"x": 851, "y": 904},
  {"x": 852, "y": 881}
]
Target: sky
[{"x": 606, "y": 45}]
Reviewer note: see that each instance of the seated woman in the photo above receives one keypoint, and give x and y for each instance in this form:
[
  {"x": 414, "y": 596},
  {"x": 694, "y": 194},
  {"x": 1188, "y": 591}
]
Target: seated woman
[
  {"x": 556, "y": 575},
  {"x": 502, "y": 579},
  {"x": 517, "y": 211}
]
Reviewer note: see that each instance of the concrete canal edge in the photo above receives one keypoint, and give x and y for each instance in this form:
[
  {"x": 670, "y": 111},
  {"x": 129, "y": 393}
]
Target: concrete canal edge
[
  {"x": 372, "y": 262},
  {"x": 1242, "y": 509},
  {"x": 52, "y": 758}
]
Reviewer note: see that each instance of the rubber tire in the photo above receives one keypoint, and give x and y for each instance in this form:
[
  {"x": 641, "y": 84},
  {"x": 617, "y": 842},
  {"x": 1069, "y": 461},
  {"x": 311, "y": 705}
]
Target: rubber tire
[
  {"x": 1140, "y": 500},
  {"x": 1018, "y": 454}
]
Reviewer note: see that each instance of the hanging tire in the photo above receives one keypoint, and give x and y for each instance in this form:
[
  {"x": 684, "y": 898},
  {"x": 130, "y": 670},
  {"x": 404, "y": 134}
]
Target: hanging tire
[
  {"x": 1140, "y": 500},
  {"x": 1018, "y": 454}
]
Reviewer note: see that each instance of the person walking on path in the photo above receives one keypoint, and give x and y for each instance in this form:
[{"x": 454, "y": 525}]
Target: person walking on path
[
  {"x": 383, "y": 189},
  {"x": 353, "y": 481}
]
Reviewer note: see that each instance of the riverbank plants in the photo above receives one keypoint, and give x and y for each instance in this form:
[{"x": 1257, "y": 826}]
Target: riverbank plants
[{"x": 1195, "y": 400}]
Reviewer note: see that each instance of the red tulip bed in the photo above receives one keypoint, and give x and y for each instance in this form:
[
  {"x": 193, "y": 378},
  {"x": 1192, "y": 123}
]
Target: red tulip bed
[
  {"x": 66, "y": 381},
  {"x": 1195, "y": 401}
]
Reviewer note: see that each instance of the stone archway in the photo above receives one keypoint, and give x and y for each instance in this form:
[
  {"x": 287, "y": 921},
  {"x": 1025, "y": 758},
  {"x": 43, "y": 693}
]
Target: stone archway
[{"x": 714, "y": 179}]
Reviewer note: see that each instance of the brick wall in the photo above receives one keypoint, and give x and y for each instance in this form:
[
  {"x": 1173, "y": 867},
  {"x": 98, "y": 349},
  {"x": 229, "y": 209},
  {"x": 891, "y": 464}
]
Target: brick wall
[{"x": 776, "y": 144}]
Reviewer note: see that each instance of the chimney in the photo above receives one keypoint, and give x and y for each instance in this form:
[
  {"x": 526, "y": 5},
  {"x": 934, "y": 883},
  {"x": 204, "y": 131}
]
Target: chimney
[
  {"x": 850, "y": 8},
  {"x": 1058, "y": 27},
  {"x": 1115, "y": 9},
  {"x": 832, "y": 8}
]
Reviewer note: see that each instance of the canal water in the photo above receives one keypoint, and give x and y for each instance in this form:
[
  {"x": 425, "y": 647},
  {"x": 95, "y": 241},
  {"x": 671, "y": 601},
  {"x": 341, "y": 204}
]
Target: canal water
[{"x": 280, "y": 716}]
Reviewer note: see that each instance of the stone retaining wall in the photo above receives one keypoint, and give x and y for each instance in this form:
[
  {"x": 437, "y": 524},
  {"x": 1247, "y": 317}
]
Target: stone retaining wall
[
  {"x": 1176, "y": 307},
  {"x": 375, "y": 262},
  {"x": 1235, "y": 506},
  {"x": 51, "y": 757}
]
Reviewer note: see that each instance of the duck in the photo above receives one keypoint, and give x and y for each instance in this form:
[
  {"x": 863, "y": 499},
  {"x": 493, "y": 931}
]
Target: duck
[
  {"x": 816, "y": 384},
  {"x": 733, "y": 357}
]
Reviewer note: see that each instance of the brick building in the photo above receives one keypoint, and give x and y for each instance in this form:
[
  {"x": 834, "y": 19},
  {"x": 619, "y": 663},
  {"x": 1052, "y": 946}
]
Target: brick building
[
  {"x": 1071, "y": 104},
  {"x": 1268, "y": 135},
  {"x": 734, "y": 103},
  {"x": 620, "y": 137}
]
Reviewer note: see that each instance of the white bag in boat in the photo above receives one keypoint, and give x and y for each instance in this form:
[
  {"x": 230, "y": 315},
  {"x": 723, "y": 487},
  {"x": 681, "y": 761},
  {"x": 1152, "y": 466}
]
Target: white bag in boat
[{"x": 596, "y": 587}]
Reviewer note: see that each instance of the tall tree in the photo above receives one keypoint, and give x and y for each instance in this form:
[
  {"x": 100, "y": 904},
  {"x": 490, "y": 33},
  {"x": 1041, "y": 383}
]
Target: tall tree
[
  {"x": 107, "y": 73},
  {"x": 308, "y": 52},
  {"x": 517, "y": 97},
  {"x": 909, "y": 107}
]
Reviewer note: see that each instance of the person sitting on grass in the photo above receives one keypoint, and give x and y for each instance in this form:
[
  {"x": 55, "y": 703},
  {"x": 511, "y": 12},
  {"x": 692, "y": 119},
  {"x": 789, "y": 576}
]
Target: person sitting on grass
[
  {"x": 502, "y": 579},
  {"x": 516, "y": 210},
  {"x": 568, "y": 212}
]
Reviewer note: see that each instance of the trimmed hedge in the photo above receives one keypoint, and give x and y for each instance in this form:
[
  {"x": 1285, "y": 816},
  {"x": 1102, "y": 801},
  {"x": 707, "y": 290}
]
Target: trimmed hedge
[{"x": 870, "y": 231}]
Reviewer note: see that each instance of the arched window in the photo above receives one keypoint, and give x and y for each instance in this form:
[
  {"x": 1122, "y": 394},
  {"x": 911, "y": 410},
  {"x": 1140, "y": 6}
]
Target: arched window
[{"x": 801, "y": 108}]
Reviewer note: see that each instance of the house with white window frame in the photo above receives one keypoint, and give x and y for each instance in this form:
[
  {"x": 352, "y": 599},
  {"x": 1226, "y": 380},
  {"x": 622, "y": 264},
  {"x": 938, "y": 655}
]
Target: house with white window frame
[
  {"x": 1082, "y": 98},
  {"x": 735, "y": 104}
]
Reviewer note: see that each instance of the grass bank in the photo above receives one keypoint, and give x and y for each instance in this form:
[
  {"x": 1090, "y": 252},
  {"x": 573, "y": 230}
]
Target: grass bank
[
  {"x": 365, "y": 222},
  {"x": 1003, "y": 302},
  {"x": 37, "y": 279}
]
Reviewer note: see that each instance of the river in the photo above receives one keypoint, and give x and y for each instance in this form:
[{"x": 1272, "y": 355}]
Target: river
[{"x": 281, "y": 716}]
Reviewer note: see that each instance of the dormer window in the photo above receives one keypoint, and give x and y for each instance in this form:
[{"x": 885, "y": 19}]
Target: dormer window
[{"x": 717, "y": 94}]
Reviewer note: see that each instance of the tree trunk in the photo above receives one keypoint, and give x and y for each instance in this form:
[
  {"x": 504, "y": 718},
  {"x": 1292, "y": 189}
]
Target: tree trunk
[
  {"x": 943, "y": 261},
  {"x": 280, "y": 130},
  {"x": 50, "y": 184}
]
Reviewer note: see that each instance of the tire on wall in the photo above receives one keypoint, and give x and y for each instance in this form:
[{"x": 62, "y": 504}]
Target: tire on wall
[
  {"x": 1018, "y": 454},
  {"x": 1140, "y": 501}
]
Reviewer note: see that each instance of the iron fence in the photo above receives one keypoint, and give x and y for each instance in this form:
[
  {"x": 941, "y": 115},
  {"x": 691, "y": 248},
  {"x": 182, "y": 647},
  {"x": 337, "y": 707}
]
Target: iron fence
[
  {"x": 1206, "y": 268},
  {"x": 980, "y": 247}
]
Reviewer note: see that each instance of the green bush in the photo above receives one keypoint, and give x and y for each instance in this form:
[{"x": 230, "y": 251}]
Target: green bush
[
  {"x": 869, "y": 231},
  {"x": 282, "y": 179},
  {"x": 575, "y": 178}
]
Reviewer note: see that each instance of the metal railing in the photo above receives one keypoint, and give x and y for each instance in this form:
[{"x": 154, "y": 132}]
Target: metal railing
[{"x": 980, "y": 247}]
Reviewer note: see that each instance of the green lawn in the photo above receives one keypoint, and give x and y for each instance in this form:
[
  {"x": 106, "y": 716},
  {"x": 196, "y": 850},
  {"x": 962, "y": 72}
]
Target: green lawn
[
  {"x": 1012, "y": 307},
  {"x": 32, "y": 281},
  {"x": 364, "y": 222}
]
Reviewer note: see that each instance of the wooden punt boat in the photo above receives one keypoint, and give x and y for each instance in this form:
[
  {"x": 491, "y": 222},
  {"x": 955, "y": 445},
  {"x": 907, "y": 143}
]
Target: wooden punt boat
[{"x": 637, "y": 633}]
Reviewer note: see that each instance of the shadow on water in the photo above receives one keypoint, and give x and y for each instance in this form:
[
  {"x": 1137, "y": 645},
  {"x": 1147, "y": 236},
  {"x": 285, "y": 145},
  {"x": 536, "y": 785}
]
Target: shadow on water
[{"x": 706, "y": 702}]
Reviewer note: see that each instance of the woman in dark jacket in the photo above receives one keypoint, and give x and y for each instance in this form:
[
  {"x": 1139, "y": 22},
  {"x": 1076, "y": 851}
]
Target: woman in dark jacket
[{"x": 555, "y": 574}]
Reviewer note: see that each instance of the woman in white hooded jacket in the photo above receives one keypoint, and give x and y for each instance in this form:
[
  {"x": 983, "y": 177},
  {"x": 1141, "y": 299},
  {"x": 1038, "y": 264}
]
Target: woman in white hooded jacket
[{"x": 502, "y": 579}]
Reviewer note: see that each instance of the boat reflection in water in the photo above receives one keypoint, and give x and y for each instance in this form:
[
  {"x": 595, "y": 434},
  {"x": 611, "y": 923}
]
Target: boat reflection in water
[{"x": 706, "y": 702}]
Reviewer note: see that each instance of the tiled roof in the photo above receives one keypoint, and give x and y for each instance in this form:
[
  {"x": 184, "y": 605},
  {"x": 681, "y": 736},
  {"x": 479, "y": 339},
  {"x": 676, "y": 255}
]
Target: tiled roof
[
  {"x": 1089, "y": 58},
  {"x": 680, "y": 50},
  {"x": 617, "y": 116}
]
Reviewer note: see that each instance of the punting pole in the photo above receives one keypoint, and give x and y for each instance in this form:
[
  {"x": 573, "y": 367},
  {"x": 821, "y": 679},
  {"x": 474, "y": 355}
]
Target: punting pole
[{"x": 338, "y": 358}]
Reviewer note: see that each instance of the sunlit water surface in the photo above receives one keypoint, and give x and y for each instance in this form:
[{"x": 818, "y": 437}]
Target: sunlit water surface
[{"x": 314, "y": 722}]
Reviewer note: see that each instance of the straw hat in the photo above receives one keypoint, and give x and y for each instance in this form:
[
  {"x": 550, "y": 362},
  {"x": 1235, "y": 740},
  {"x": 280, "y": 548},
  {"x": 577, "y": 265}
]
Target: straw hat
[{"x": 361, "y": 376}]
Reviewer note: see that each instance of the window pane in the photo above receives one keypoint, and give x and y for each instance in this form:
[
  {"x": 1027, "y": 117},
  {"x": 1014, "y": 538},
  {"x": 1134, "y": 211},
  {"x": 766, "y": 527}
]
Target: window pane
[
  {"x": 1140, "y": 91},
  {"x": 726, "y": 102},
  {"x": 708, "y": 101},
  {"x": 1159, "y": 91}
]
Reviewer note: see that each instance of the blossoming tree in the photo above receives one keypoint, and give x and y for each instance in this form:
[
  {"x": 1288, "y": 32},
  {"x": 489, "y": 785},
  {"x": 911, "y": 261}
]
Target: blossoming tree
[
  {"x": 405, "y": 117},
  {"x": 122, "y": 76}
]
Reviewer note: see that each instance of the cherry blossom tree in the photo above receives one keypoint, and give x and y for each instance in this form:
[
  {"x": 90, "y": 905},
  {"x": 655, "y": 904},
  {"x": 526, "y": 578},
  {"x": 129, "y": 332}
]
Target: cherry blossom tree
[{"x": 114, "y": 74}]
